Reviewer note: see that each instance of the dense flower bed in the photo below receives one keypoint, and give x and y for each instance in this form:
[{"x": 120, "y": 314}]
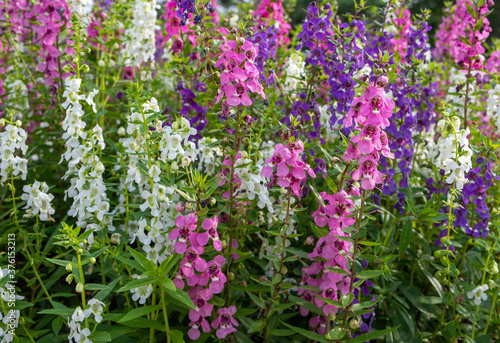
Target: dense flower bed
[{"x": 174, "y": 171}]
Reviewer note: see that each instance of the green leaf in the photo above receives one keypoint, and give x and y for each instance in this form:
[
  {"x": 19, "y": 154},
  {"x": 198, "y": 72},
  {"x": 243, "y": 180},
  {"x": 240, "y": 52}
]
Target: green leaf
[
  {"x": 139, "y": 312},
  {"x": 471, "y": 10},
  {"x": 369, "y": 244},
  {"x": 100, "y": 336},
  {"x": 277, "y": 278},
  {"x": 168, "y": 264},
  {"x": 365, "y": 304},
  {"x": 105, "y": 292},
  {"x": 346, "y": 299},
  {"x": 168, "y": 284},
  {"x": 57, "y": 325},
  {"x": 183, "y": 298},
  {"x": 370, "y": 274},
  {"x": 131, "y": 263},
  {"x": 336, "y": 333},
  {"x": 243, "y": 312},
  {"x": 258, "y": 301},
  {"x": 406, "y": 236},
  {"x": 338, "y": 270},
  {"x": 372, "y": 335},
  {"x": 416, "y": 297},
  {"x": 95, "y": 287},
  {"x": 62, "y": 263},
  {"x": 281, "y": 332},
  {"x": 257, "y": 326},
  {"x": 306, "y": 333},
  {"x": 144, "y": 323},
  {"x": 143, "y": 261},
  {"x": 484, "y": 339},
  {"x": 138, "y": 283},
  {"x": 331, "y": 184},
  {"x": 176, "y": 336},
  {"x": 318, "y": 197}
]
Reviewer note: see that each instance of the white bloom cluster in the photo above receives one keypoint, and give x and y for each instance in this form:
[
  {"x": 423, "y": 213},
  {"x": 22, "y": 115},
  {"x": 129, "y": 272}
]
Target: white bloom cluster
[
  {"x": 38, "y": 201},
  {"x": 454, "y": 151},
  {"x": 209, "y": 156},
  {"x": 174, "y": 141},
  {"x": 252, "y": 184},
  {"x": 170, "y": 145},
  {"x": 295, "y": 69},
  {"x": 13, "y": 138},
  {"x": 140, "y": 45},
  {"x": 90, "y": 202},
  {"x": 325, "y": 117},
  {"x": 9, "y": 321},
  {"x": 141, "y": 293},
  {"x": 478, "y": 294},
  {"x": 77, "y": 334},
  {"x": 73, "y": 125},
  {"x": 82, "y": 9},
  {"x": 493, "y": 106}
]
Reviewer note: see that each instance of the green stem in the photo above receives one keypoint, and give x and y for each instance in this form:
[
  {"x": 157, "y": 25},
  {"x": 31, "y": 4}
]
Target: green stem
[
  {"x": 82, "y": 280},
  {"x": 165, "y": 314}
]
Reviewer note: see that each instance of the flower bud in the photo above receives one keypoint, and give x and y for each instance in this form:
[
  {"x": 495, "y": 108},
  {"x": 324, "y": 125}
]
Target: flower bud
[
  {"x": 174, "y": 166},
  {"x": 93, "y": 260},
  {"x": 79, "y": 287},
  {"x": 99, "y": 167},
  {"x": 69, "y": 267},
  {"x": 19, "y": 123},
  {"x": 494, "y": 267},
  {"x": 212, "y": 201},
  {"x": 115, "y": 238},
  {"x": 121, "y": 131},
  {"x": 310, "y": 240},
  {"x": 354, "y": 324},
  {"x": 332, "y": 316},
  {"x": 492, "y": 284},
  {"x": 2, "y": 122},
  {"x": 69, "y": 278},
  {"x": 111, "y": 63},
  {"x": 101, "y": 63}
]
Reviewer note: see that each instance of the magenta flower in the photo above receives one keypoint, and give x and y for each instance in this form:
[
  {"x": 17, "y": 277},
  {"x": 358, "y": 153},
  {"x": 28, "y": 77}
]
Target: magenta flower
[
  {"x": 290, "y": 170},
  {"x": 185, "y": 227},
  {"x": 216, "y": 275},
  {"x": 210, "y": 225},
  {"x": 194, "y": 332},
  {"x": 239, "y": 74},
  {"x": 202, "y": 308},
  {"x": 192, "y": 260},
  {"x": 225, "y": 323},
  {"x": 368, "y": 171}
]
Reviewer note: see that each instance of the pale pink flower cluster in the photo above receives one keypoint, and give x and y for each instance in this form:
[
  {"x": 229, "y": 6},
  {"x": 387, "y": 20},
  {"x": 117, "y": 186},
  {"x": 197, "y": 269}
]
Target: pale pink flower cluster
[
  {"x": 370, "y": 113},
  {"x": 239, "y": 74},
  {"x": 291, "y": 171}
]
